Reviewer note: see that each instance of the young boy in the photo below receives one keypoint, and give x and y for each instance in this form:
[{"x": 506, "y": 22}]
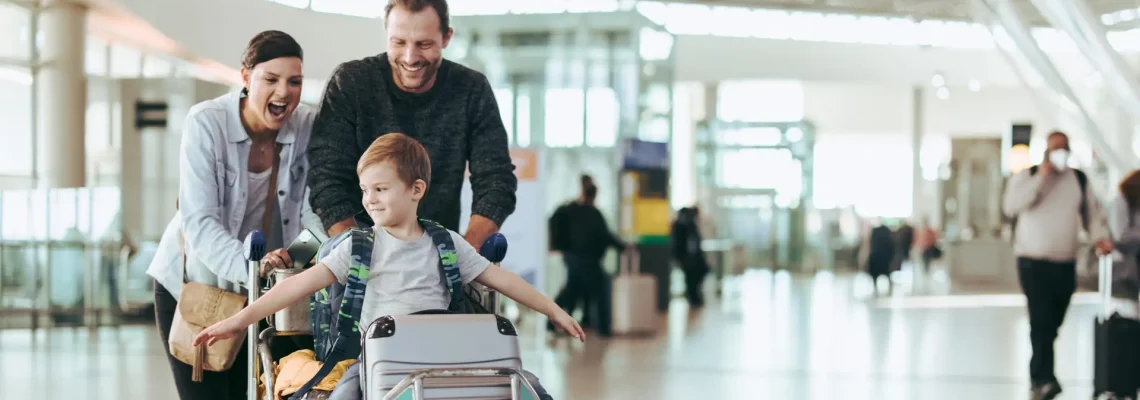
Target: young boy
[{"x": 394, "y": 173}]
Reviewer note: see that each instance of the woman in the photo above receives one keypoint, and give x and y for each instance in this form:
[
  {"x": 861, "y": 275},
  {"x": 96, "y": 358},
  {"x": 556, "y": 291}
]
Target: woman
[
  {"x": 242, "y": 168},
  {"x": 1124, "y": 221}
]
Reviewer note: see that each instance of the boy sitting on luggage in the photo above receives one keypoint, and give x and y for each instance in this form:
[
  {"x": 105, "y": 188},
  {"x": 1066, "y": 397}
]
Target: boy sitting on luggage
[{"x": 404, "y": 276}]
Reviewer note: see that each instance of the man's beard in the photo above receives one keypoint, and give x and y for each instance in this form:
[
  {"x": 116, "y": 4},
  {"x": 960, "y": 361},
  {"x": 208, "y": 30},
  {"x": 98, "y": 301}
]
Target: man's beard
[{"x": 429, "y": 71}]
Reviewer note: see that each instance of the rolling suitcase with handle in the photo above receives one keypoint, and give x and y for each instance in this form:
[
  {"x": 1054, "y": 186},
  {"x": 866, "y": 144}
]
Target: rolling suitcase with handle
[
  {"x": 397, "y": 347},
  {"x": 633, "y": 298},
  {"x": 1116, "y": 368}
]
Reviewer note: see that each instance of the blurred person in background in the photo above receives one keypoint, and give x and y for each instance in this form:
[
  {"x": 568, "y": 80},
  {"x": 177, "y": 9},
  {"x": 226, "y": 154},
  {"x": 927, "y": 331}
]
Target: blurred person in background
[
  {"x": 879, "y": 247},
  {"x": 449, "y": 108},
  {"x": 1124, "y": 222},
  {"x": 904, "y": 240},
  {"x": 926, "y": 244},
  {"x": 242, "y": 168},
  {"x": 1050, "y": 204},
  {"x": 686, "y": 240},
  {"x": 580, "y": 233}
]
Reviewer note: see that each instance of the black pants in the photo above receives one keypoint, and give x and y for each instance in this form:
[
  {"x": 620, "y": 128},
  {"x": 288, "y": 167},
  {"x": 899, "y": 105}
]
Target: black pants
[
  {"x": 1048, "y": 288},
  {"x": 584, "y": 283},
  {"x": 229, "y": 384},
  {"x": 695, "y": 269}
]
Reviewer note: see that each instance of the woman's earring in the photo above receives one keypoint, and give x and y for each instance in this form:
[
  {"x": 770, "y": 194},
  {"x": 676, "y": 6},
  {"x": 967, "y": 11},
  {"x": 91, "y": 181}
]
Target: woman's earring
[{"x": 244, "y": 92}]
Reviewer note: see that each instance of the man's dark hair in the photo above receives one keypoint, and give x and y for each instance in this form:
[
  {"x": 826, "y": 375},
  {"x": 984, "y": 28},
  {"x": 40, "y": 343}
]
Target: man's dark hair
[
  {"x": 440, "y": 7},
  {"x": 589, "y": 189},
  {"x": 270, "y": 45}
]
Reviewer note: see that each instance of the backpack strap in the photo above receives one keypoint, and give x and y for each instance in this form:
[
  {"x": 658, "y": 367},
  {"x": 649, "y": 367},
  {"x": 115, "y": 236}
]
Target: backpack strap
[
  {"x": 448, "y": 265},
  {"x": 1083, "y": 181},
  {"x": 346, "y": 342},
  {"x": 348, "y": 324}
]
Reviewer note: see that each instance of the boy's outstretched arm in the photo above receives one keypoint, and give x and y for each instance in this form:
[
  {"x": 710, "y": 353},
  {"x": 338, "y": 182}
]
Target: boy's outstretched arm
[
  {"x": 511, "y": 285},
  {"x": 283, "y": 294}
]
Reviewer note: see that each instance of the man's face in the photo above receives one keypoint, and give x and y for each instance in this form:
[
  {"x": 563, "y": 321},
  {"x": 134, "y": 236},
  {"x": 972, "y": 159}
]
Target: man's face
[
  {"x": 415, "y": 47},
  {"x": 1057, "y": 142}
]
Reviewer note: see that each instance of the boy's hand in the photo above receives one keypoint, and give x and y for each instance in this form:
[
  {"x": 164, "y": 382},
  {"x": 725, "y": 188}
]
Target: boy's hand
[
  {"x": 222, "y": 330},
  {"x": 568, "y": 324}
]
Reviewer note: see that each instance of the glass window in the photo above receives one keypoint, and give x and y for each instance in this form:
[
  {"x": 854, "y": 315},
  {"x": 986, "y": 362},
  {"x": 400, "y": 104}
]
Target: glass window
[
  {"x": 760, "y": 101},
  {"x": 870, "y": 172},
  {"x": 359, "y": 8},
  {"x": 601, "y": 117},
  {"x": 126, "y": 62},
  {"x": 682, "y": 190},
  {"x": 564, "y": 114},
  {"x": 503, "y": 97},
  {"x": 16, "y": 114},
  {"x": 782, "y": 172},
  {"x": 14, "y": 25},
  {"x": 156, "y": 67},
  {"x": 293, "y": 3},
  {"x": 15, "y": 215},
  {"x": 522, "y": 138},
  {"x": 95, "y": 59}
]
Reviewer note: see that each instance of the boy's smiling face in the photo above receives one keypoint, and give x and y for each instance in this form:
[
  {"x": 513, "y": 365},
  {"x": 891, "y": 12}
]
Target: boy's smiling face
[{"x": 388, "y": 199}]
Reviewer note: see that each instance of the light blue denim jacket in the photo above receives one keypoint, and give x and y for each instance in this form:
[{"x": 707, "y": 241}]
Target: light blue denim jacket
[{"x": 212, "y": 195}]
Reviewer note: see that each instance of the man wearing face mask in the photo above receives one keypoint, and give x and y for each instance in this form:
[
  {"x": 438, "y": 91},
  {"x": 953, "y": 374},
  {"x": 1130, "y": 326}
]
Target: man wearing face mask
[
  {"x": 450, "y": 109},
  {"x": 1050, "y": 204}
]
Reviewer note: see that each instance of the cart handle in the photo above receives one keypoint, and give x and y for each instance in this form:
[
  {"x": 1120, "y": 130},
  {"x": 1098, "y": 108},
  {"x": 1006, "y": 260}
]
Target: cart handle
[{"x": 416, "y": 380}]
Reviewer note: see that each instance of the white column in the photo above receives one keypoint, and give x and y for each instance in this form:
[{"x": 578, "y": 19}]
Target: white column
[{"x": 62, "y": 90}]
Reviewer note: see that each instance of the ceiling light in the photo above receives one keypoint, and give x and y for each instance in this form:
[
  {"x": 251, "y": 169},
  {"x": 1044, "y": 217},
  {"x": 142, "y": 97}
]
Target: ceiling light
[
  {"x": 943, "y": 93},
  {"x": 975, "y": 85},
  {"x": 938, "y": 80}
]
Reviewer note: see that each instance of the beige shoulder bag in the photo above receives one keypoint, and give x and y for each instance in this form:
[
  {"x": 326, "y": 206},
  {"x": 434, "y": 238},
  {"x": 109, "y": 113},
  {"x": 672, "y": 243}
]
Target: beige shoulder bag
[{"x": 202, "y": 305}]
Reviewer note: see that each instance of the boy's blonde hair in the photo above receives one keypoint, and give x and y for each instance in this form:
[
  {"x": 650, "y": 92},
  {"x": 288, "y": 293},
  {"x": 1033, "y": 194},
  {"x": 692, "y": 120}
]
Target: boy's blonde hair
[{"x": 407, "y": 155}]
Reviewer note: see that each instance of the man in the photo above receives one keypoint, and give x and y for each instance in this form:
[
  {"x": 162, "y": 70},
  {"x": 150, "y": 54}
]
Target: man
[
  {"x": 686, "y": 238},
  {"x": 411, "y": 89},
  {"x": 1050, "y": 203},
  {"x": 579, "y": 231}
]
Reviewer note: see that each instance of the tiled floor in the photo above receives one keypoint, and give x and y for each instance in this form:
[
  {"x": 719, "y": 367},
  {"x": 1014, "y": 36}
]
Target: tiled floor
[{"x": 773, "y": 336}]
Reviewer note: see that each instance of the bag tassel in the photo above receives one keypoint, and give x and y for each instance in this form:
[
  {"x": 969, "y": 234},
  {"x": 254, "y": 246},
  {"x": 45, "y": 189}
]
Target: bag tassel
[{"x": 199, "y": 363}]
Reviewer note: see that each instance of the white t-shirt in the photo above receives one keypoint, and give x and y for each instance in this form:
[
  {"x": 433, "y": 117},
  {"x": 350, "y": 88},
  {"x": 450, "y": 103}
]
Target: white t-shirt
[{"x": 404, "y": 276}]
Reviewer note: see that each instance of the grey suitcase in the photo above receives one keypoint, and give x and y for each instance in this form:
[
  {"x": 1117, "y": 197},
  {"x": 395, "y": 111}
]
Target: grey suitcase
[{"x": 395, "y": 347}]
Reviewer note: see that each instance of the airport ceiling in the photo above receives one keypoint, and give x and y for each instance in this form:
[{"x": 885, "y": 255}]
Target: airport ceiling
[{"x": 924, "y": 9}]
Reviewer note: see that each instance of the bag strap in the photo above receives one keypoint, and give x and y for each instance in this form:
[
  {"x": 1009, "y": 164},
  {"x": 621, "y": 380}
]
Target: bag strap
[
  {"x": 271, "y": 195},
  {"x": 448, "y": 264},
  {"x": 270, "y": 207}
]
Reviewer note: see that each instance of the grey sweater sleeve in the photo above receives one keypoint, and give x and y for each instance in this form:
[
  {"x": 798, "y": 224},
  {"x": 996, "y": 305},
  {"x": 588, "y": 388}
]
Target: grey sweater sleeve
[
  {"x": 333, "y": 152},
  {"x": 493, "y": 180}
]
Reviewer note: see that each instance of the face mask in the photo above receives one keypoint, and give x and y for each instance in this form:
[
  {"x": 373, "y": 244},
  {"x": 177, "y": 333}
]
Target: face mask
[{"x": 1059, "y": 159}]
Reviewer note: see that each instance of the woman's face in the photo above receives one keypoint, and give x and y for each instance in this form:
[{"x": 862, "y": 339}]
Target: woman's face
[{"x": 274, "y": 91}]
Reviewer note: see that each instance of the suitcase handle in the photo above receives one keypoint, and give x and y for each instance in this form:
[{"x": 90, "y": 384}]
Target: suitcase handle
[
  {"x": 1104, "y": 264},
  {"x": 630, "y": 262}
]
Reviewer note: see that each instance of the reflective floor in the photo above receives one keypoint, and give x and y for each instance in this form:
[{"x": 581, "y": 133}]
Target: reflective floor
[{"x": 771, "y": 336}]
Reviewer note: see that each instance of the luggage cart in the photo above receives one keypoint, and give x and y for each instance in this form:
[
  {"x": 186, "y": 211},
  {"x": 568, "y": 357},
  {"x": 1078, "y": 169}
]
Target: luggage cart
[{"x": 261, "y": 357}]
